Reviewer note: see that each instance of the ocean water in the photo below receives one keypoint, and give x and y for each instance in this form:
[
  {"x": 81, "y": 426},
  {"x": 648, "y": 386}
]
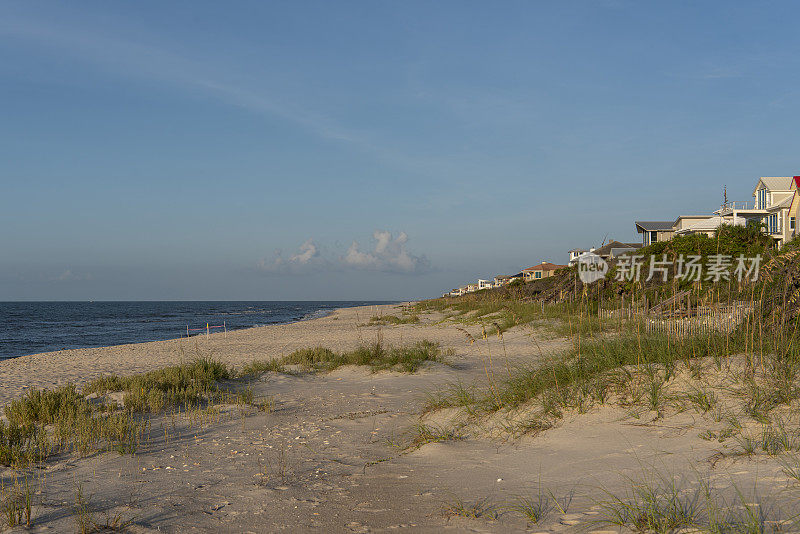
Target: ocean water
[{"x": 31, "y": 327}]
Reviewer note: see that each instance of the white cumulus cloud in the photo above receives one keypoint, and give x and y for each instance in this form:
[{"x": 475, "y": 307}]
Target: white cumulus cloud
[
  {"x": 389, "y": 254},
  {"x": 308, "y": 251},
  {"x": 307, "y": 257}
]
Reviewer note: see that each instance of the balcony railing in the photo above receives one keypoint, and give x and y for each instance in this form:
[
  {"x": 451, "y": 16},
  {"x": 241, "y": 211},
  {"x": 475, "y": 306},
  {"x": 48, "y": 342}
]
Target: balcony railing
[{"x": 739, "y": 205}]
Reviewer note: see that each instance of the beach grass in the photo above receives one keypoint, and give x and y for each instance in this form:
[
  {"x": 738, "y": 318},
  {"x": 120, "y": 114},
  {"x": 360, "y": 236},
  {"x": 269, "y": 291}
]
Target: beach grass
[
  {"x": 662, "y": 503},
  {"x": 188, "y": 383},
  {"x": 376, "y": 356},
  {"x": 16, "y": 503},
  {"x": 43, "y": 422},
  {"x": 483, "y": 508},
  {"x": 386, "y": 320},
  {"x": 638, "y": 370},
  {"x": 585, "y": 369},
  {"x": 499, "y": 313}
]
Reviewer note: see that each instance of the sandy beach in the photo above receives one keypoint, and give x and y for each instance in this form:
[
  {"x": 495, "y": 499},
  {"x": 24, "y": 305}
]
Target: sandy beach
[
  {"x": 333, "y": 456},
  {"x": 343, "y": 329}
]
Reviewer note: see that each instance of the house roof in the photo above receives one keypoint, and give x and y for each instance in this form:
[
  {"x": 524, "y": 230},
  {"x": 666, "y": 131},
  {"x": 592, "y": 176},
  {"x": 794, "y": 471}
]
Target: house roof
[
  {"x": 797, "y": 181},
  {"x": 785, "y": 203},
  {"x": 690, "y": 217},
  {"x": 653, "y": 226},
  {"x": 545, "y": 266},
  {"x": 712, "y": 223},
  {"x": 606, "y": 249},
  {"x": 775, "y": 183},
  {"x": 577, "y": 250}
]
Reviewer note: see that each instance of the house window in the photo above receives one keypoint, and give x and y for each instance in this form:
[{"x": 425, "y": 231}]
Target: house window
[
  {"x": 772, "y": 225},
  {"x": 538, "y": 274},
  {"x": 762, "y": 199},
  {"x": 791, "y": 223},
  {"x": 653, "y": 237}
]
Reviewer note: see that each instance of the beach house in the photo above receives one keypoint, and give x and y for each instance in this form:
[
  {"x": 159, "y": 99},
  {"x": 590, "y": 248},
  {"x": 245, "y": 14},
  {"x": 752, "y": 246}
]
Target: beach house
[
  {"x": 774, "y": 204},
  {"x": 655, "y": 231},
  {"x": 576, "y": 253},
  {"x": 683, "y": 223},
  {"x": 707, "y": 226},
  {"x": 484, "y": 284},
  {"x": 543, "y": 270},
  {"x": 505, "y": 279},
  {"x": 613, "y": 249},
  {"x": 792, "y": 229}
]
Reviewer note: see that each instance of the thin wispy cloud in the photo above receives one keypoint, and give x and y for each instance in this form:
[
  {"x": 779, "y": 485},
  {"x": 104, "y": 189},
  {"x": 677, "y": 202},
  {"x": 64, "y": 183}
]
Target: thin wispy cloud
[
  {"x": 158, "y": 64},
  {"x": 69, "y": 276}
]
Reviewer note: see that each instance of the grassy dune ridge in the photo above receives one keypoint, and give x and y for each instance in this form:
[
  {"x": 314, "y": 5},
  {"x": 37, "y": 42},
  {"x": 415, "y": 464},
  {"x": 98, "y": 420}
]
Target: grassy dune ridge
[{"x": 47, "y": 422}]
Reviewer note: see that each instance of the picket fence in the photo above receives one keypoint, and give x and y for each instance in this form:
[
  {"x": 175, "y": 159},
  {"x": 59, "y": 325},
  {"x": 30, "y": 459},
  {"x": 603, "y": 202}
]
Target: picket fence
[{"x": 697, "y": 320}]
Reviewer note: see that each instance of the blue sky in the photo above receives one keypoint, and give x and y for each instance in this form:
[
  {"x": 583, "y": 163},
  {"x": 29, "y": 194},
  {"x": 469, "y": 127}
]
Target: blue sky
[{"x": 238, "y": 150}]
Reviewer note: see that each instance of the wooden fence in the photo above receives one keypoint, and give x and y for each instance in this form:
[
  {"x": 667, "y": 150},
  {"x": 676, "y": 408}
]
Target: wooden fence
[{"x": 697, "y": 320}]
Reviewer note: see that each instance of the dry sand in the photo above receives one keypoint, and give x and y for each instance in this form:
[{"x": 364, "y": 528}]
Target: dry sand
[{"x": 325, "y": 459}]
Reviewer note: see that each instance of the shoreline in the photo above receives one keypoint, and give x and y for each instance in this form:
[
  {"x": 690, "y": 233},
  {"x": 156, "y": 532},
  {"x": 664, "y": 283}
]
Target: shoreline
[
  {"x": 238, "y": 347},
  {"x": 317, "y": 314}
]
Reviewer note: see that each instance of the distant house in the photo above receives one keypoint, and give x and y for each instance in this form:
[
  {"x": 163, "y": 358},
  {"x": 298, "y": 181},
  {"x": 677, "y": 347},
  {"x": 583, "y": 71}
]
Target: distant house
[
  {"x": 543, "y": 270},
  {"x": 484, "y": 284},
  {"x": 682, "y": 224},
  {"x": 576, "y": 253},
  {"x": 614, "y": 249},
  {"x": 655, "y": 231},
  {"x": 472, "y": 288},
  {"x": 707, "y": 226},
  {"x": 505, "y": 279}
]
